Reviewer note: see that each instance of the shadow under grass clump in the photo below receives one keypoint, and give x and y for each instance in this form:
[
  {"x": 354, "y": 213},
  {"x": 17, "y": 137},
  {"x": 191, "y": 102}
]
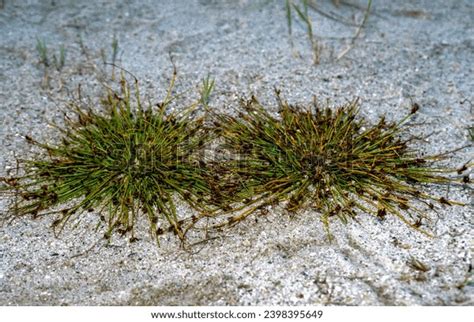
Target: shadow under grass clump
[
  {"x": 125, "y": 160},
  {"x": 328, "y": 160}
]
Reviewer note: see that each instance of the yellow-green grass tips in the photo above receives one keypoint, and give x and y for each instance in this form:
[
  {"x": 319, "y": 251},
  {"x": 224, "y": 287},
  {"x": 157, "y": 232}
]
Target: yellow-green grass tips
[
  {"x": 327, "y": 159},
  {"x": 126, "y": 160}
]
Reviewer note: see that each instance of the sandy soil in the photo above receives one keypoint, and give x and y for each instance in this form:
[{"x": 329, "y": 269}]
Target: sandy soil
[{"x": 409, "y": 51}]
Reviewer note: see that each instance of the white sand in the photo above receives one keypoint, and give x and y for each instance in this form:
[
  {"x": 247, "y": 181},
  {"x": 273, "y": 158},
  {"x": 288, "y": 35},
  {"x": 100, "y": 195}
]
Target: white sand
[{"x": 421, "y": 51}]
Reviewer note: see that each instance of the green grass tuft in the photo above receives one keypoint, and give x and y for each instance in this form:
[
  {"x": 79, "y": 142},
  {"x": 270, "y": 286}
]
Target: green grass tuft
[
  {"x": 56, "y": 61},
  {"x": 206, "y": 90},
  {"x": 42, "y": 50},
  {"x": 127, "y": 161},
  {"x": 325, "y": 159}
]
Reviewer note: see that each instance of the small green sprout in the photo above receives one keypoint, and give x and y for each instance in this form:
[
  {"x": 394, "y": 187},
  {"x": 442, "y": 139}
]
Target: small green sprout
[
  {"x": 62, "y": 56},
  {"x": 124, "y": 162},
  {"x": 42, "y": 52},
  {"x": 206, "y": 90},
  {"x": 59, "y": 63},
  {"x": 115, "y": 48},
  {"x": 304, "y": 16},
  {"x": 288, "y": 17},
  {"x": 328, "y": 160}
]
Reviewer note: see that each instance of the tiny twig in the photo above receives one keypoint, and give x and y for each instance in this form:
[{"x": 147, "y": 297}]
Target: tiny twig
[{"x": 357, "y": 34}]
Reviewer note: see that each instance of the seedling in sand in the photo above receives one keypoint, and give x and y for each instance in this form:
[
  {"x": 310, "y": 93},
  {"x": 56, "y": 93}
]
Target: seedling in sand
[
  {"x": 316, "y": 45},
  {"x": 206, "y": 90},
  {"x": 42, "y": 52},
  {"x": 304, "y": 16},
  {"x": 115, "y": 47},
  {"x": 325, "y": 159},
  {"x": 125, "y": 162},
  {"x": 57, "y": 61}
]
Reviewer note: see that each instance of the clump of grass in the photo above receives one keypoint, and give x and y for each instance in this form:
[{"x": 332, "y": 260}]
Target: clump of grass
[
  {"x": 127, "y": 161},
  {"x": 327, "y": 159}
]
